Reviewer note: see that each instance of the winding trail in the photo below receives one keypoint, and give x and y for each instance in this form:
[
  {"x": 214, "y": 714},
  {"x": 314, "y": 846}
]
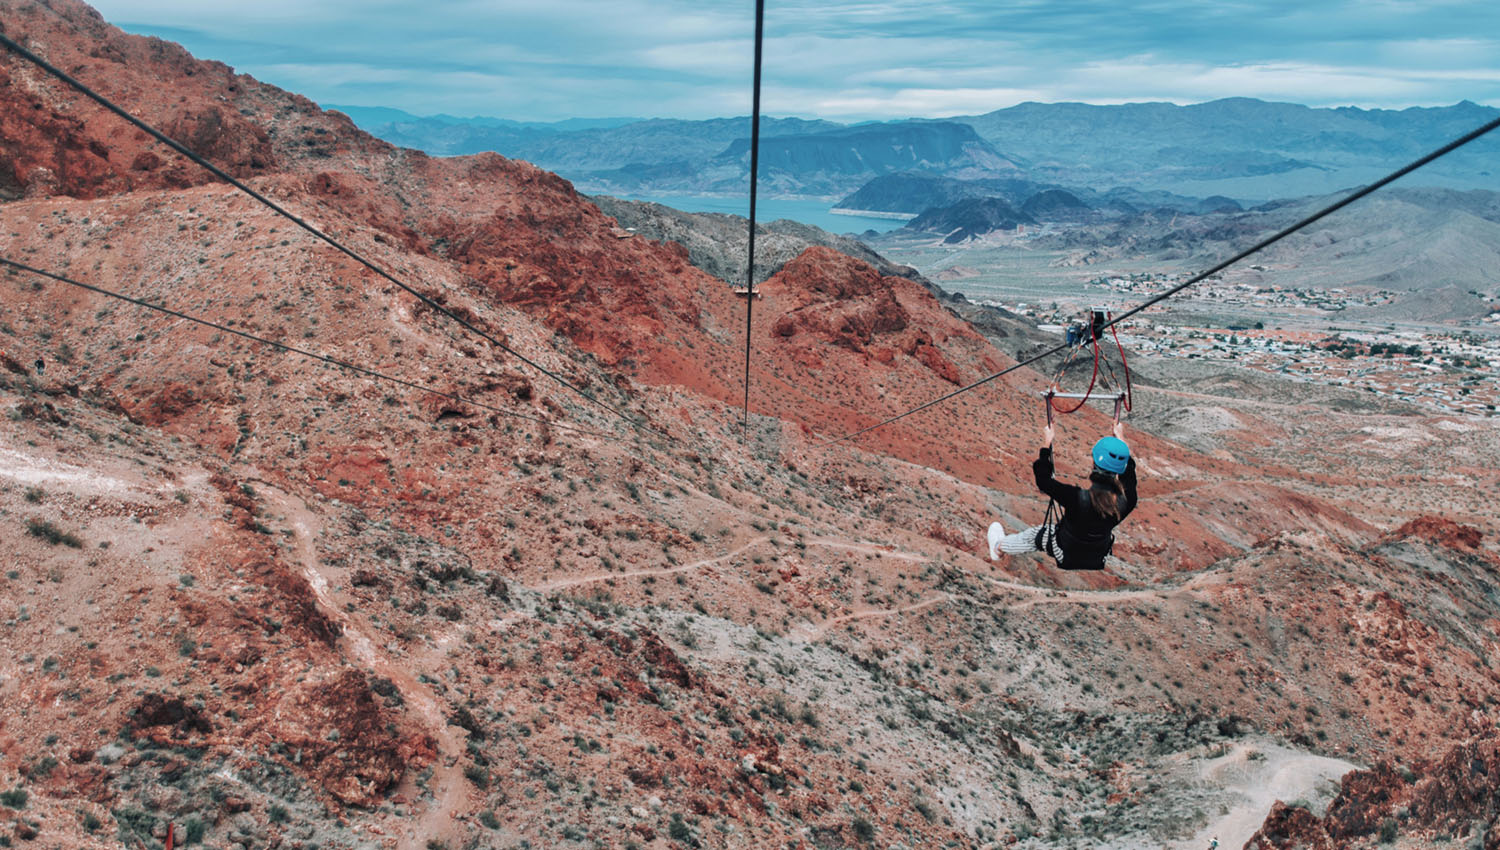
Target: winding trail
[
  {"x": 1280, "y": 774},
  {"x": 813, "y": 632},
  {"x": 1036, "y": 595},
  {"x": 868, "y": 548},
  {"x": 696, "y": 565},
  {"x": 448, "y": 784}
]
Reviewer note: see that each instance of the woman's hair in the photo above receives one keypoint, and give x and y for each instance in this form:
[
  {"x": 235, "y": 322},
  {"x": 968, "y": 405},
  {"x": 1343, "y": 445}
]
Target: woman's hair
[{"x": 1105, "y": 492}]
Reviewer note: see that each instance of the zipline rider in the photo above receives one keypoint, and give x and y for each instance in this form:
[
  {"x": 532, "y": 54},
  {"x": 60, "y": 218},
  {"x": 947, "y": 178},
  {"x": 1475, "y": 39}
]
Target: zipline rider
[{"x": 1084, "y": 533}]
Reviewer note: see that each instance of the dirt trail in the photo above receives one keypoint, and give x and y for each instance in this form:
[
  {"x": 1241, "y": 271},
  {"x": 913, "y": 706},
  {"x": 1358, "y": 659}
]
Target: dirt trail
[
  {"x": 811, "y": 632},
  {"x": 590, "y": 579},
  {"x": 1038, "y": 595},
  {"x": 868, "y": 548},
  {"x": 1054, "y": 596},
  {"x": 450, "y": 788},
  {"x": 1283, "y": 774}
]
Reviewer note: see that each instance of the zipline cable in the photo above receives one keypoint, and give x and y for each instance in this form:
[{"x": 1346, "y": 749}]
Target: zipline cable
[
  {"x": 330, "y": 361},
  {"x": 225, "y": 176},
  {"x": 760, "y": 20},
  {"x": 1198, "y": 278}
]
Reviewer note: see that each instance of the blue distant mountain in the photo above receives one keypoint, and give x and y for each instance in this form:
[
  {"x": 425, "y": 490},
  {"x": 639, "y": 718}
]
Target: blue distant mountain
[
  {"x": 375, "y": 116},
  {"x": 1242, "y": 149}
]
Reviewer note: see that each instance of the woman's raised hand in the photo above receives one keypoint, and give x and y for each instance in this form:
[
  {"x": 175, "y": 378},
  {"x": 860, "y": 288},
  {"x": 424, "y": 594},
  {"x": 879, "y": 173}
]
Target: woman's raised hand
[
  {"x": 1120, "y": 430},
  {"x": 1047, "y": 435}
]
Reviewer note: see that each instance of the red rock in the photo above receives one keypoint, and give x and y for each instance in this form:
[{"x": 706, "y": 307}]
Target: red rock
[
  {"x": 1440, "y": 531},
  {"x": 344, "y": 737},
  {"x": 1288, "y": 827}
]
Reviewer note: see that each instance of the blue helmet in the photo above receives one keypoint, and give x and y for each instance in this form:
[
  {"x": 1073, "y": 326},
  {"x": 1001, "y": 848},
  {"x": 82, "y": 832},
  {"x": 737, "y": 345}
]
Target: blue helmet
[{"x": 1111, "y": 455}]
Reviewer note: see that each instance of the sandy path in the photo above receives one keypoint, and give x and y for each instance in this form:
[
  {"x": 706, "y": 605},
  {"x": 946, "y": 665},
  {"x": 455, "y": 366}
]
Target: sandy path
[
  {"x": 811, "y": 632},
  {"x": 1057, "y": 596},
  {"x": 1036, "y": 595},
  {"x": 696, "y": 565},
  {"x": 1283, "y": 774},
  {"x": 868, "y": 548},
  {"x": 448, "y": 784}
]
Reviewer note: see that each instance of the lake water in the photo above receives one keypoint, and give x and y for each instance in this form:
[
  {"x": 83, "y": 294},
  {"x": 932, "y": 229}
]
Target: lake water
[{"x": 814, "y": 213}]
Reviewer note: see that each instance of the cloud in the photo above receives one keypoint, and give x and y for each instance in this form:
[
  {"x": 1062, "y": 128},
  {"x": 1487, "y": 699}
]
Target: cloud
[{"x": 863, "y": 59}]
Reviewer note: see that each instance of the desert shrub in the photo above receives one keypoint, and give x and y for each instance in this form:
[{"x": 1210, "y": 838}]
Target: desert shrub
[
  {"x": 194, "y": 830},
  {"x": 15, "y": 798},
  {"x": 52, "y": 534},
  {"x": 1388, "y": 831},
  {"x": 477, "y": 775}
]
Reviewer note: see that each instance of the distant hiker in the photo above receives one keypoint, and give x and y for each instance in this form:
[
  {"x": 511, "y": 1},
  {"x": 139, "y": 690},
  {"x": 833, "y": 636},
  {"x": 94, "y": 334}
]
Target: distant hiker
[
  {"x": 1213, "y": 843},
  {"x": 40, "y": 366},
  {"x": 1084, "y": 533}
]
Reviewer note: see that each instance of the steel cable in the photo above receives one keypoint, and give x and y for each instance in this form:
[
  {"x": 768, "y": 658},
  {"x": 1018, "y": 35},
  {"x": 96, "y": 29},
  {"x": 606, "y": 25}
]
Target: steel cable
[
  {"x": 227, "y": 178},
  {"x": 330, "y": 361},
  {"x": 1197, "y": 278}
]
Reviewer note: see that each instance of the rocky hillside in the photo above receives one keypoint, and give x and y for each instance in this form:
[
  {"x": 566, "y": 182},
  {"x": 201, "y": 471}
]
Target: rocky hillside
[
  {"x": 272, "y": 604},
  {"x": 1431, "y": 248},
  {"x": 717, "y": 242}
]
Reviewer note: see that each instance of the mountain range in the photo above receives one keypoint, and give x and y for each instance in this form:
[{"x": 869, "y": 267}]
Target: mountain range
[{"x": 1241, "y": 148}]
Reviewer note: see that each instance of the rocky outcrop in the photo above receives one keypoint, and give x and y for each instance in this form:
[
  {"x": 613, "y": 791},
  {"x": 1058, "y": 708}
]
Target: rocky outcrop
[
  {"x": 1455, "y": 795},
  {"x": 1439, "y": 531},
  {"x": 346, "y": 739},
  {"x": 969, "y": 219},
  {"x": 1291, "y": 828}
]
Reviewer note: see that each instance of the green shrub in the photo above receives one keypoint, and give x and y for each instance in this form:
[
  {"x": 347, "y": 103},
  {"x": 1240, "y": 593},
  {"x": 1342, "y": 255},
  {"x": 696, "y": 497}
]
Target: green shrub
[
  {"x": 477, "y": 775},
  {"x": 52, "y": 534},
  {"x": 864, "y": 830},
  {"x": 194, "y": 830},
  {"x": 1388, "y": 831},
  {"x": 15, "y": 798}
]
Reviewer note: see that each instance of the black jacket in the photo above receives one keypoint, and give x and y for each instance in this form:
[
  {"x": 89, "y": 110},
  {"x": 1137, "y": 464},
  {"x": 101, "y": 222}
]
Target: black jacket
[{"x": 1084, "y": 536}]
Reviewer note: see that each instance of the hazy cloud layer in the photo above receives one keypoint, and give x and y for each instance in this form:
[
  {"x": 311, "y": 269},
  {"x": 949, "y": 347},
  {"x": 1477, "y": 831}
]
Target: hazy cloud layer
[{"x": 842, "y": 61}]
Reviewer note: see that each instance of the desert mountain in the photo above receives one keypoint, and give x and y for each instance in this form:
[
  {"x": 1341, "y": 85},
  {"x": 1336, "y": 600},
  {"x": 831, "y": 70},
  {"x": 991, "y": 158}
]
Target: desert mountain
[
  {"x": 278, "y": 605},
  {"x": 969, "y": 219},
  {"x": 915, "y": 192},
  {"x": 1241, "y": 148},
  {"x": 1433, "y": 249}
]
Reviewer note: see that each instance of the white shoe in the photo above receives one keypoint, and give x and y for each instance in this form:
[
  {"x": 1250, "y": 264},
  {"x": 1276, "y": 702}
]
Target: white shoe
[{"x": 997, "y": 531}]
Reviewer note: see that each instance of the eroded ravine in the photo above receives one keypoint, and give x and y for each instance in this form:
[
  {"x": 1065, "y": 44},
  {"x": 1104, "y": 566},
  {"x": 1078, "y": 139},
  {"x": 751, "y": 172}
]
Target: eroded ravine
[{"x": 448, "y": 785}]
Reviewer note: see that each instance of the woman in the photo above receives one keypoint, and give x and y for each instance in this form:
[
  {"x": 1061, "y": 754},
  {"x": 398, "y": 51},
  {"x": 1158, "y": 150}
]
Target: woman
[{"x": 1084, "y": 535}]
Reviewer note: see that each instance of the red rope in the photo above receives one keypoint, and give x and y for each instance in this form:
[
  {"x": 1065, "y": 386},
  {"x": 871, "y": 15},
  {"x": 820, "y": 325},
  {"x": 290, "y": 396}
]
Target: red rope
[{"x": 1087, "y": 392}]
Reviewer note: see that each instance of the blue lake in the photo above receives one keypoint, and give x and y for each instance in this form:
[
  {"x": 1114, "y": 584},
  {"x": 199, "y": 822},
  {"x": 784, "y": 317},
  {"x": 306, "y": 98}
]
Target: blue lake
[{"x": 814, "y": 213}]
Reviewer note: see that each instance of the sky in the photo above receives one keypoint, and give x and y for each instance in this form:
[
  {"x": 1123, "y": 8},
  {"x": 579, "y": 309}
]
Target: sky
[{"x": 548, "y": 60}]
